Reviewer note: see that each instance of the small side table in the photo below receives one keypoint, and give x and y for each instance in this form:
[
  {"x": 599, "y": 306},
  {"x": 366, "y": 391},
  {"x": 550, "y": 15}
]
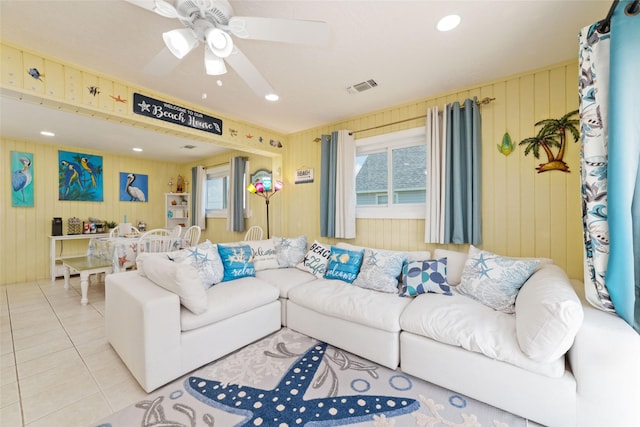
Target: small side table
[{"x": 86, "y": 266}]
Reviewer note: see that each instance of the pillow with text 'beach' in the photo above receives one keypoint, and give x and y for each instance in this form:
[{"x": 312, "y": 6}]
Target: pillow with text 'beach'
[
  {"x": 420, "y": 277},
  {"x": 316, "y": 260},
  {"x": 343, "y": 264},
  {"x": 237, "y": 261}
]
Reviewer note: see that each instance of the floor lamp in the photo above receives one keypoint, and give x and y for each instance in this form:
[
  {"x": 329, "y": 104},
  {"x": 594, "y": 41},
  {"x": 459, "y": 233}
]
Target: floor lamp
[{"x": 265, "y": 190}]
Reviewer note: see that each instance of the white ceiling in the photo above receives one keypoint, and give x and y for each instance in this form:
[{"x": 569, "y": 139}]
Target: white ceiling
[{"x": 393, "y": 42}]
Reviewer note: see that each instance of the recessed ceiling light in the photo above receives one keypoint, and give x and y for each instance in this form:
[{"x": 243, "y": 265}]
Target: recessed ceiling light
[
  {"x": 272, "y": 97},
  {"x": 47, "y": 133},
  {"x": 448, "y": 23},
  {"x": 219, "y": 82},
  {"x": 137, "y": 149}
]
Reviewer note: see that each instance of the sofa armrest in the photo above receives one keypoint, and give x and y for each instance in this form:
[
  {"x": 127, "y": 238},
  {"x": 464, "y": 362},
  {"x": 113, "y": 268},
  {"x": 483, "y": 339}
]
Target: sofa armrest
[
  {"x": 143, "y": 326},
  {"x": 605, "y": 360}
]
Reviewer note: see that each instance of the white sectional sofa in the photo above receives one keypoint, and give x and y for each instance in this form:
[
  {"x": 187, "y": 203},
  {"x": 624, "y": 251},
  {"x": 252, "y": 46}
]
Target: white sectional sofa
[{"x": 586, "y": 378}]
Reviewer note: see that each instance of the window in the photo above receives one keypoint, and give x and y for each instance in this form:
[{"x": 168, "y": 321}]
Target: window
[
  {"x": 217, "y": 195},
  {"x": 391, "y": 175},
  {"x": 217, "y": 191}
]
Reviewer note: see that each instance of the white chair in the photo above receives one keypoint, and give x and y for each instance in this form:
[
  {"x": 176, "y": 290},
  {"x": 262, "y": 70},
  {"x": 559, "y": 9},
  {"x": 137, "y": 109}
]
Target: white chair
[
  {"x": 175, "y": 233},
  {"x": 254, "y": 233},
  {"x": 115, "y": 231},
  {"x": 156, "y": 240},
  {"x": 192, "y": 235}
]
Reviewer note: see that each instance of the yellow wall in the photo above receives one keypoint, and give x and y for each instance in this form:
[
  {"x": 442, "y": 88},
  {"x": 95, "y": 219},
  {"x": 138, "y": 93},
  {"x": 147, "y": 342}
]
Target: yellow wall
[
  {"x": 24, "y": 242},
  {"x": 524, "y": 213}
]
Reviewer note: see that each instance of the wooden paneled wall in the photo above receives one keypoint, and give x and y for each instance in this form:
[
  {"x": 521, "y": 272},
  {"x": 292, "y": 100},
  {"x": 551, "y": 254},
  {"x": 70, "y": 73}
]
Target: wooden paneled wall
[{"x": 525, "y": 213}]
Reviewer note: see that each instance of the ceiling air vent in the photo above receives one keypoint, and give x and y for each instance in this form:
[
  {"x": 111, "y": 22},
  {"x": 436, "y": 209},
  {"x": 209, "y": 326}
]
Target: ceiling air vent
[
  {"x": 189, "y": 147},
  {"x": 360, "y": 87}
]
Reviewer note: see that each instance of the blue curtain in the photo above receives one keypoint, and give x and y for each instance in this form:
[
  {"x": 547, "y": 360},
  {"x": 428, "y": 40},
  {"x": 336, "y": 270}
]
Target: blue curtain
[
  {"x": 623, "y": 273},
  {"x": 328, "y": 170},
  {"x": 235, "y": 210},
  {"x": 462, "y": 195}
]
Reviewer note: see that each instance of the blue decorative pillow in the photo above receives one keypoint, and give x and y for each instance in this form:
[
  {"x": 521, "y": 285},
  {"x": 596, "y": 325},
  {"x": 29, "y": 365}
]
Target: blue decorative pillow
[
  {"x": 205, "y": 259},
  {"x": 380, "y": 270},
  {"x": 420, "y": 277},
  {"x": 343, "y": 264},
  {"x": 494, "y": 280},
  {"x": 237, "y": 262}
]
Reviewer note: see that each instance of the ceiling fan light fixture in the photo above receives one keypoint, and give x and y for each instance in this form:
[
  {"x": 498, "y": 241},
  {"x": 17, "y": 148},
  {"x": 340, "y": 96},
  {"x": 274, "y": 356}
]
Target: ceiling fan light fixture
[
  {"x": 214, "y": 65},
  {"x": 219, "y": 42},
  {"x": 180, "y": 42}
]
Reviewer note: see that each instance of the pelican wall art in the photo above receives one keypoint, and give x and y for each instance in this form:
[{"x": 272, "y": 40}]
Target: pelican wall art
[
  {"x": 22, "y": 179},
  {"x": 134, "y": 187},
  {"x": 80, "y": 177}
]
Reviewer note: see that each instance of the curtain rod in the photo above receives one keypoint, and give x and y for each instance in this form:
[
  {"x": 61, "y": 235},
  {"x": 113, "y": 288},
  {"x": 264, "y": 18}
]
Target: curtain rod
[
  {"x": 483, "y": 101},
  {"x": 605, "y": 25}
]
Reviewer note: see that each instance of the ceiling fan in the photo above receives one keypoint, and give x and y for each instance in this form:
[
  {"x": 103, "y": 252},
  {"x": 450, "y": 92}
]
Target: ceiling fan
[{"x": 212, "y": 23}]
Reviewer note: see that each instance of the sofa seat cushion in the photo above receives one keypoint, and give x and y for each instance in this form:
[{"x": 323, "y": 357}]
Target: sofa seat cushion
[
  {"x": 285, "y": 279},
  {"x": 228, "y": 299},
  {"x": 461, "y": 321},
  {"x": 348, "y": 302}
]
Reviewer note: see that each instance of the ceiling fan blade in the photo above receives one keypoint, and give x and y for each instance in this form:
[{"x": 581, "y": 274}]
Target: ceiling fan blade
[
  {"x": 249, "y": 73},
  {"x": 312, "y": 33},
  {"x": 162, "y": 64},
  {"x": 161, "y": 7}
]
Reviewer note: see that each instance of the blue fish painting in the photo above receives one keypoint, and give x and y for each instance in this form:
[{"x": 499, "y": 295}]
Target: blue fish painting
[{"x": 33, "y": 72}]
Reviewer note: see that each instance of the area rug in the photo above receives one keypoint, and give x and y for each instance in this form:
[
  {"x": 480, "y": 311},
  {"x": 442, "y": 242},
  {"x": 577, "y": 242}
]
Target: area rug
[{"x": 289, "y": 379}]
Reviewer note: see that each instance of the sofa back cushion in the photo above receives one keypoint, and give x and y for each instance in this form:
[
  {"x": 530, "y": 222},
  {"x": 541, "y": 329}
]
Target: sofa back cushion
[
  {"x": 548, "y": 314},
  {"x": 455, "y": 264}
]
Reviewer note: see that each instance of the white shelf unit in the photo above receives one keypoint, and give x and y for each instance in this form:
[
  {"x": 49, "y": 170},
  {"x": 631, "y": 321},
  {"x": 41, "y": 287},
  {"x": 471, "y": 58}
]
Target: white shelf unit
[{"x": 178, "y": 210}]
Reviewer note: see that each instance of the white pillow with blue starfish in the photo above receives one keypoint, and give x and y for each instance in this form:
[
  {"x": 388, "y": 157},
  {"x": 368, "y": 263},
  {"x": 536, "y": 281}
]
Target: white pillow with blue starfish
[
  {"x": 290, "y": 250},
  {"x": 380, "y": 270},
  {"x": 205, "y": 259},
  {"x": 494, "y": 280}
]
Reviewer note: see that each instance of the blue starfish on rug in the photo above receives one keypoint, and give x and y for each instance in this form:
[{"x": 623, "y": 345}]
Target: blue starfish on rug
[{"x": 285, "y": 404}]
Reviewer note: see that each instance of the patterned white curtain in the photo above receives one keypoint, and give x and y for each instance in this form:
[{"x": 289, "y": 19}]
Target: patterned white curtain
[
  {"x": 594, "y": 107},
  {"x": 436, "y": 180}
]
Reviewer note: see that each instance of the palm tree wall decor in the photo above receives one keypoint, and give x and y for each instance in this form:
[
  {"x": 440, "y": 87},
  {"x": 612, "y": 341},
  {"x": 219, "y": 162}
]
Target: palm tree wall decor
[{"x": 553, "y": 135}]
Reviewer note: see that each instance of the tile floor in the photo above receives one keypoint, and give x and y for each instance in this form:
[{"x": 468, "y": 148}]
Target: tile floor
[{"x": 57, "y": 368}]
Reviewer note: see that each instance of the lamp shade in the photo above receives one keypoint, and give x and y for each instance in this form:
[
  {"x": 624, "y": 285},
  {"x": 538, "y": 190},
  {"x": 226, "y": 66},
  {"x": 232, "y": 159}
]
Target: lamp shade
[
  {"x": 259, "y": 187},
  {"x": 251, "y": 188},
  {"x": 278, "y": 185},
  {"x": 213, "y": 64},
  {"x": 219, "y": 42},
  {"x": 180, "y": 42}
]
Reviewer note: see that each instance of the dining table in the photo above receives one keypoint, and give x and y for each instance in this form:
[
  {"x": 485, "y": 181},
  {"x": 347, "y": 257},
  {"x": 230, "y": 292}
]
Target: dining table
[{"x": 122, "y": 250}]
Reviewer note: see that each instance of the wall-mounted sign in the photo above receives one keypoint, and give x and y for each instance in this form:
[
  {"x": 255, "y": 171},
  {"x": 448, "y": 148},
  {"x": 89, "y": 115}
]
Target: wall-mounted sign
[
  {"x": 175, "y": 114},
  {"x": 304, "y": 176}
]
